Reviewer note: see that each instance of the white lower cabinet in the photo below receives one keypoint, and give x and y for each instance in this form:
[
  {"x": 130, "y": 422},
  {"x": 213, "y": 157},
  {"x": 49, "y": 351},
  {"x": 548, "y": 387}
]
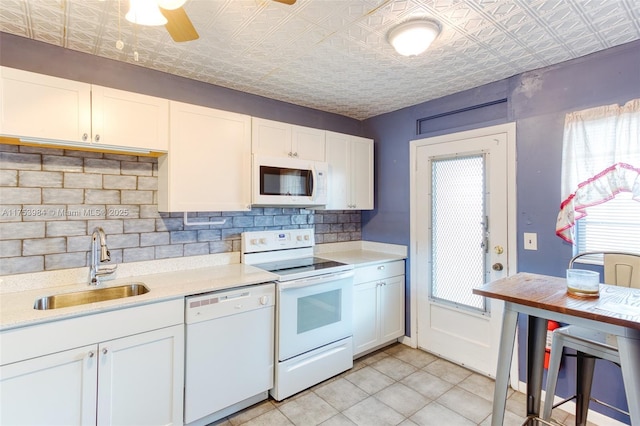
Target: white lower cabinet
[
  {"x": 56, "y": 389},
  {"x": 378, "y": 316},
  {"x": 132, "y": 380},
  {"x": 140, "y": 378}
]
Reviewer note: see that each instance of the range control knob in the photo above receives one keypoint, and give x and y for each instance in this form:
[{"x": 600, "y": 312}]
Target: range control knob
[{"x": 263, "y": 241}]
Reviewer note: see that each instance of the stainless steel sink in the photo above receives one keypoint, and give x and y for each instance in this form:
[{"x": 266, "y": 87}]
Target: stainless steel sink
[{"x": 64, "y": 300}]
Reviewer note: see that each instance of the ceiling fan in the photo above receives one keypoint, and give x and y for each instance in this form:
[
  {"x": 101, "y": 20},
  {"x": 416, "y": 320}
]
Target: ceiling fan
[{"x": 169, "y": 13}]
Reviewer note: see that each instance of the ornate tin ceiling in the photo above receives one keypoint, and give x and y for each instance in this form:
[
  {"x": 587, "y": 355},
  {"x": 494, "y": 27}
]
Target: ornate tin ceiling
[{"x": 332, "y": 55}]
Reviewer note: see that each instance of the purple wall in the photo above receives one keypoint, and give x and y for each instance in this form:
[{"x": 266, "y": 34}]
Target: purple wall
[{"x": 537, "y": 101}]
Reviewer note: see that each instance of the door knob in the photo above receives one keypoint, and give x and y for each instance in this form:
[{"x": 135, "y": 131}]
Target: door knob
[{"x": 497, "y": 267}]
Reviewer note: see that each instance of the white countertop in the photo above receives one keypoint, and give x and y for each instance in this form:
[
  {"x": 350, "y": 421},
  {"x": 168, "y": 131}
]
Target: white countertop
[
  {"x": 361, "y": 253},
  {"x": 171, "y": 279},
  {"x": 16, "y": 308}
]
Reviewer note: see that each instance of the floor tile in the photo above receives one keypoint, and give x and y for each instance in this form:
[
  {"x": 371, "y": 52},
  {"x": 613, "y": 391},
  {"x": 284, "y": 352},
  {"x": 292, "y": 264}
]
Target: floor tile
[
  {"x": 341, "y": 394},
  {"x": 369, "y": 380},
  {"x": 480, "y": 385},
  {"x": 393, "y": 367},
  {"x": 309, "y": 409},
  {"x": 415, "y": 357},
  {"x": 338, "y": 420},
  {"x": 402, "y": 398},
  {"x": 474, "y": 408},
  {"x": 435, "y": 414},
  {"x": 447, "y": 371},
  {"x": 427, "y": 384},
  {"x": 373, "y": 412}
]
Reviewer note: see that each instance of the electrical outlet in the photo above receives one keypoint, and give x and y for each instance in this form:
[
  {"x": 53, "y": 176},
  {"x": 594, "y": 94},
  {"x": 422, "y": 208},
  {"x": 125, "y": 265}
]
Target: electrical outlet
[{"x": 530, "y": 241}]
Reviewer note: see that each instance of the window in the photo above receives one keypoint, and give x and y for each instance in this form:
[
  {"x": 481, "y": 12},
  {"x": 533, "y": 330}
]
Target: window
[
  {"x": 610, "y": 226},
  {"x": 600, "y": 208}
]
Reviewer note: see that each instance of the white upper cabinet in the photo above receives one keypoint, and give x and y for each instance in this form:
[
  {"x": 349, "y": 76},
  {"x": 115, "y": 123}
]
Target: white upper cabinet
[
  {"x": 39, "y": 106},
  {"x": 63, "y": 112},
  {"x": 208, "y": 167},
  {"x": 129, "y": 119},
  {"x": 277, "y": 139},
  {"x": 350, "y": 161}
]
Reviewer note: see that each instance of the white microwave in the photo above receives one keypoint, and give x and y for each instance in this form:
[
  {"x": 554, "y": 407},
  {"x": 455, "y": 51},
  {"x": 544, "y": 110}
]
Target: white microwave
[{"x": 289, "y": 182}]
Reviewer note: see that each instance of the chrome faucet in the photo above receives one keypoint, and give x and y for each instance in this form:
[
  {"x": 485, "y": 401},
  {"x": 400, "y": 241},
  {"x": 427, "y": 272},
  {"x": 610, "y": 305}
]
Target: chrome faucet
[{"x": 99, "y": 254}]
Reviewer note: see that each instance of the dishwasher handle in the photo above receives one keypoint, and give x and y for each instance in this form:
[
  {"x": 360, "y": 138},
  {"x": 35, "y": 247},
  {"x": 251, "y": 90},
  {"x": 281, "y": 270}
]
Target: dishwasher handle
[{"x": 316, "y": 280}]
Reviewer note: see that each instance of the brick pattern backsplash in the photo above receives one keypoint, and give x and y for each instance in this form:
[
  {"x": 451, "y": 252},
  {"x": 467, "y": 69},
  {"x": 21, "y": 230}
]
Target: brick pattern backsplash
[{"x": 52, "y": 199}]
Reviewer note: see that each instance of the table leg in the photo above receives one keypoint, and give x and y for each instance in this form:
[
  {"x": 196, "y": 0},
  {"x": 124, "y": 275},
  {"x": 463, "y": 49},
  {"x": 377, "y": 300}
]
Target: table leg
[
  {"x": 629, "y": 351},
  {"x": 536, "y": 340},
  {"x": 507, "y": 340}
]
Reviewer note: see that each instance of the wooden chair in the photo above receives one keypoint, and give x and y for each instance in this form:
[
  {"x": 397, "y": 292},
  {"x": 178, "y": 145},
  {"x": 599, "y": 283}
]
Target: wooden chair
[{"x": 621, "y": 269}]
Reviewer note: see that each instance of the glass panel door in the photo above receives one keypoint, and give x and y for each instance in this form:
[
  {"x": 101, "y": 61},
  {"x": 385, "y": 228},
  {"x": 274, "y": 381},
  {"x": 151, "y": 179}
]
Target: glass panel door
[{"x": 458, "y": 229}]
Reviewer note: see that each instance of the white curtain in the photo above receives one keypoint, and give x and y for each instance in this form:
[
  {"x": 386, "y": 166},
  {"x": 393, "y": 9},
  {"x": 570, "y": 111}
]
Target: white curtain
[{"x": 600, "y": 158}]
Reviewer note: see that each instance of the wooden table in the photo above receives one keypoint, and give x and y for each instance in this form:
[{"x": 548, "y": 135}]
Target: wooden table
[{"x": 543, "y": 298}]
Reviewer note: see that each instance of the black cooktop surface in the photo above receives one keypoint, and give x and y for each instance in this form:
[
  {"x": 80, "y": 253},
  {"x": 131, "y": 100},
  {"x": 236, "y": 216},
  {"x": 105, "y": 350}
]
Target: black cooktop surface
[{"x": 295, "y": 266}]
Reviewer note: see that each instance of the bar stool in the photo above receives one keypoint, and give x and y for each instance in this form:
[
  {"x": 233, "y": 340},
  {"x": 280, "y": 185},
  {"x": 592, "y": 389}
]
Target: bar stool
[{"x": 622, "y": 269}]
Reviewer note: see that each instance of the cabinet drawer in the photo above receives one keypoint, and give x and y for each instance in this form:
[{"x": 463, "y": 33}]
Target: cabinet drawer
[{"x": 378, "y": 271}]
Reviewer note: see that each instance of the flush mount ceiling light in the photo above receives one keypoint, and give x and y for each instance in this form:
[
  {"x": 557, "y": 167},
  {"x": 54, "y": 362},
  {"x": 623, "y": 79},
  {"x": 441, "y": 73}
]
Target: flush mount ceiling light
[
  {"x": 413, "y": 37},
  {"x": 147, "y": 12}
]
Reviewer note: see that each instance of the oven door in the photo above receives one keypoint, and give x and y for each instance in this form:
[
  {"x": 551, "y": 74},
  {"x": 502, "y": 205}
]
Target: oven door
[{"x": 313, "y": 312}]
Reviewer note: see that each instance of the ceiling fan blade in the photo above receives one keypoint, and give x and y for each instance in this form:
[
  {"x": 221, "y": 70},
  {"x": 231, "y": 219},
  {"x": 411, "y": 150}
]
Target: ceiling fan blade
[
  {"x": 289, "y": 2},
  {"x": 179, "y": 25}
]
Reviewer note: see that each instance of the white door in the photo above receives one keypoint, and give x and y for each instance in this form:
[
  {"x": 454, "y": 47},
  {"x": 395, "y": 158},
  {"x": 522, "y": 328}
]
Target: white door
[{"x": 462, "y": 211}]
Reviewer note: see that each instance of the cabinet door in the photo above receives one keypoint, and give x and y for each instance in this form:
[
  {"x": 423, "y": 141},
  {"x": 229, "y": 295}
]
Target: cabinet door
[
  {"x": 361, "y": 173},
  {"x": 338, "y": 156},
  {"x": 140, "y": 379},
  {"x": 365, "y": 317},
  {"x": 308, "y": 143},
  {"x": 209, "y": 163},
  {"x": 128, "y": 119},
  {"x": 39, "y": 106},
  {"x": 57, "y": 389},
  {"x": 392, "y": 308},
  {"x": 271, "y": 138}
]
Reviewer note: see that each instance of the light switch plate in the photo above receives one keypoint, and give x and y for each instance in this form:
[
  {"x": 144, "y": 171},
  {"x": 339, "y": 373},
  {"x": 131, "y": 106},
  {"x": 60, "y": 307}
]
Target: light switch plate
[{"x": 530, "y": 241}]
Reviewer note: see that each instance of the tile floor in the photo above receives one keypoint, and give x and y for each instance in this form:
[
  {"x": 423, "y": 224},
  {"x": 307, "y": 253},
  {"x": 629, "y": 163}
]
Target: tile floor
[{"x": 396, "y": 385}]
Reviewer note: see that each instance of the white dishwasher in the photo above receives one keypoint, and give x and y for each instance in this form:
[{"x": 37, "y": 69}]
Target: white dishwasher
[{"x": 229, "y": 357}]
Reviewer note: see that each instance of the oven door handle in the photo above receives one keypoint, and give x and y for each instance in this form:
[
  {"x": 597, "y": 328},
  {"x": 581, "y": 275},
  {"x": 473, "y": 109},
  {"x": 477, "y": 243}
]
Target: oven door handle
[{"x": 320, "y": 279}]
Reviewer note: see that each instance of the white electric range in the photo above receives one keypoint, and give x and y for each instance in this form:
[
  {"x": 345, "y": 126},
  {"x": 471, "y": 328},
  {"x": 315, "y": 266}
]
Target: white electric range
[{"x": 314, "y": 302}]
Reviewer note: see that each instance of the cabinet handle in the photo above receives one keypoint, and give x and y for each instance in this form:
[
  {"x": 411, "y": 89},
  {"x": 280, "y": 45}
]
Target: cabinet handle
[
  {"x": 381, "y": 267},
  {"x": 91, "y": 354},
  {"x": 85, "y": 137},
  {"x": 290, "y": 154},
  {"x": 97, "y": 138},
  {"x": 104, "y": 351},
  {"x": 295, "y": 154}
]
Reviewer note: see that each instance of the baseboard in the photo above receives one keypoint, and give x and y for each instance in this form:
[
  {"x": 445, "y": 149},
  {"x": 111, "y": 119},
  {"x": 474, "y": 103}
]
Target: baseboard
[{"x": 570, "y": 407}]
